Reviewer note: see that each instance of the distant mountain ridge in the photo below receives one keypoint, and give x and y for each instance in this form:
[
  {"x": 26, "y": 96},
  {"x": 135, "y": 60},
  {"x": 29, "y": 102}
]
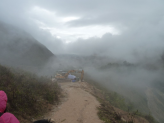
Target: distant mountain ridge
[{"x": 20, "y": 49}]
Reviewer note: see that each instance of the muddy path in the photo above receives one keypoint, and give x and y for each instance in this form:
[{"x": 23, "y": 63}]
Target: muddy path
[{"x": 78, "y": 105}]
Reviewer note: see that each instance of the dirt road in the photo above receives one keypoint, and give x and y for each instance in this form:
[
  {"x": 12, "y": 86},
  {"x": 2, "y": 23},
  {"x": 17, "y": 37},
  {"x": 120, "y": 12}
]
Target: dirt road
[{"x": 79, "y": 106}]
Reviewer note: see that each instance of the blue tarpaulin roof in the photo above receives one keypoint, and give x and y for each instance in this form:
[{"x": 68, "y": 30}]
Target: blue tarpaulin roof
[{"x": 71, "y": 76}]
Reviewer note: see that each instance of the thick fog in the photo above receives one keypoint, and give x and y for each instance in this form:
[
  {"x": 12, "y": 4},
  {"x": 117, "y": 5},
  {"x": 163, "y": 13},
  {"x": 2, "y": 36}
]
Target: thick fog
[
  {"x": 132, "y": 29},
  {"x": 119, "y": 44}
]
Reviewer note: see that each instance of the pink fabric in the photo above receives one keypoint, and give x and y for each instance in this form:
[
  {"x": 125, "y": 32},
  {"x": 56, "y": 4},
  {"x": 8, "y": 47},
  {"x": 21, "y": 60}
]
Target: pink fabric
[
  {"x": 8, "y": 118},
  {"x": 3, "y": 101}
]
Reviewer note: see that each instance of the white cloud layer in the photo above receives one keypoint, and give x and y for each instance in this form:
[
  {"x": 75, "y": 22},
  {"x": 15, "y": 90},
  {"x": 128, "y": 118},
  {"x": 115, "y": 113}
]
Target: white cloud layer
[
  {"x": 57, "y": 26},
  {"x": 131, "y": 28}
]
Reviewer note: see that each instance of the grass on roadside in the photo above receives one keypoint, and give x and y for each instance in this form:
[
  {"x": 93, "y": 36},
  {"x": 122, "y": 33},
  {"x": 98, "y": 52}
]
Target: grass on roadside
[
  {"x": 109, "y": 99},
  {"x": 28, "y": 94}
]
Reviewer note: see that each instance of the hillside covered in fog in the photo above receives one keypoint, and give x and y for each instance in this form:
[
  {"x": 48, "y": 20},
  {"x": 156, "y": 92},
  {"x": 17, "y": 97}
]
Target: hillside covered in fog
[{"x": 20, "y": 49}]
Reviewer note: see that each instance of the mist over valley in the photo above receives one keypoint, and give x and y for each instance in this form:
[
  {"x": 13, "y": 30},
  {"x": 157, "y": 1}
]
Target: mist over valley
[{"x": 118, "y": 44}]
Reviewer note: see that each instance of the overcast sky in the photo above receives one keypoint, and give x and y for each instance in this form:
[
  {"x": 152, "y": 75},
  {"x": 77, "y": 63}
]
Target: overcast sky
[{"x": 119, "y": 28}]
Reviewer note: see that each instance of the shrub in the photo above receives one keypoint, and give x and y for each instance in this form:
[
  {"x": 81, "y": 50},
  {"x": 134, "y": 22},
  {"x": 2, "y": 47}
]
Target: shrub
[{"x": 27, "y": 93}]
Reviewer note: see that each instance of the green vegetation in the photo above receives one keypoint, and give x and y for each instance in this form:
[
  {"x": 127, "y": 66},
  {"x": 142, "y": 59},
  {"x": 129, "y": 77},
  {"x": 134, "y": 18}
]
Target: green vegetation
[
  {"x": 29, "y": 96},
  {"x": 117, "y": 65},
  {"x": 148, "y": 117},
  {"x": 108, "y": 99},
  {"x": 118, "y": 101},
  {"x": 107, "y": 114},
  {"x": 112, "y": 97}
]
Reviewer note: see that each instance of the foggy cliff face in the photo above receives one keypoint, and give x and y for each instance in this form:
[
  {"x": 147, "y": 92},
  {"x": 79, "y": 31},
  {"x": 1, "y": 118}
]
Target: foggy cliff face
[{"x": 18, "y": 48}]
